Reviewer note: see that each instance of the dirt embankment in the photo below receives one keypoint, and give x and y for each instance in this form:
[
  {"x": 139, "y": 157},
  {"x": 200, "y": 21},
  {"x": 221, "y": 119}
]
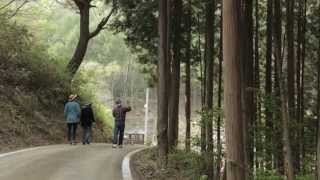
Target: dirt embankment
[
  {"x": 26, "y": 121},
  {"x": 31, "y": 111}
]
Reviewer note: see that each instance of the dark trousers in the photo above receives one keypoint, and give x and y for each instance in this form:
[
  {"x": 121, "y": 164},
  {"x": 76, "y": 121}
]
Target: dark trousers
[
  {"x": 87, "y": 134},
  {"x": 72, "y": 131},
  {"x": 118, "y": 133}
]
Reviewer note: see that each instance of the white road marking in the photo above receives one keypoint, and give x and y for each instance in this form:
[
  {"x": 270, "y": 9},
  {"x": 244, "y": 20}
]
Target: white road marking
[
  {"x": 126, "y": 171},
  {"x": 20, "y": 151}
]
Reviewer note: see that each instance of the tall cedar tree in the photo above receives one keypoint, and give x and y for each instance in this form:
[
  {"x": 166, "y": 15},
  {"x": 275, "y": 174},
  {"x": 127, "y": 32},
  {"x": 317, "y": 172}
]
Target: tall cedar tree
[
  {"x": 163, "y": 85},
  {"x": 209, "y": 59},
  {"x": 285, "y": 115},
  {"x": 318, "y": 104},
  {"x": 268, "y": 86},
  {"x": 188, "y": 23},
  {"x": 258, "y": 137},
  {"x": 219, "y": 144},
  {"x": 290, "y": 69},
  {"x": 173, "y": 128},
  {"x": 278, "y": 155},
  {"x": 247, "y": 71},
  {"x": 232, "y": 48}
]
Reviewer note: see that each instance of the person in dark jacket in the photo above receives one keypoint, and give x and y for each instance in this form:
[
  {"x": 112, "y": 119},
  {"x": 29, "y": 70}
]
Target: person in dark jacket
[
  {"x": 86, "y": 120},
  {"x": 119, "y": 114},
  {"x": 72, "y": 113}
]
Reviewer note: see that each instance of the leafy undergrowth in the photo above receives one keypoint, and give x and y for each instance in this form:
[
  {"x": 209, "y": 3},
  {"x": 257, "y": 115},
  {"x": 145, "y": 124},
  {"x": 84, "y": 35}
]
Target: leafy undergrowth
[
  {"x": 184, "y": 166},
  {"x": 33, "y": 88},
  {"x": 181, "y": 166}
]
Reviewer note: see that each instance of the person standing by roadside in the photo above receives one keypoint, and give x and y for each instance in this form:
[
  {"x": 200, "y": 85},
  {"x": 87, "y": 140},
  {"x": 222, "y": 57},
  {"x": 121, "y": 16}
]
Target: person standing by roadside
[
  {"x": 86, "y": 120},
  {"x": 119, "y": 114},
  {"x": 72, "y": 113}
]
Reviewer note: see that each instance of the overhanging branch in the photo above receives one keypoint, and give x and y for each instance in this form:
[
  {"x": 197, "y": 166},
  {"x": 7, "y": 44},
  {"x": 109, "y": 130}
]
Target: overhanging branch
[
  {"x": 6, "y": 5},
  {"x": 101, "y": 25}
]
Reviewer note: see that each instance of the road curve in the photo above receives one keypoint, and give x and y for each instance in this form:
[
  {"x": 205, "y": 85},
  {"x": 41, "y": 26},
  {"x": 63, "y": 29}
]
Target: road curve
[{"x": 65, "y": 162}]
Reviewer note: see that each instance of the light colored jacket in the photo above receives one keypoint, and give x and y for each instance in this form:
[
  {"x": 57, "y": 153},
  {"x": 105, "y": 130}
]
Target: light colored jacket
[{"x": 72, "y": 112}]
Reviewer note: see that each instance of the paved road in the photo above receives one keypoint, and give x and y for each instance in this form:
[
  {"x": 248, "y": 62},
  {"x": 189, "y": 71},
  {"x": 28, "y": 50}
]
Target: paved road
[{"x": 65, "y": 162}]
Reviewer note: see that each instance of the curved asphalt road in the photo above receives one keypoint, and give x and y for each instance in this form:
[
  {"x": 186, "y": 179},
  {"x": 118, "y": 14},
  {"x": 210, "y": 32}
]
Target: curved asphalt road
[{"x": 65, "y": 162}]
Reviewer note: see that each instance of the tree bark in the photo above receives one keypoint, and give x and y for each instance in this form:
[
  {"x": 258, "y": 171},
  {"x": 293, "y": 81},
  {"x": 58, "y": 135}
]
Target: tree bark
[
  {"x": 85, "y": 35},
  {"x": 318, "y": 105},
  {"x": 291, "y": 71},
  {"x": 203, "y": 145},
  {"x": 298, "y": 85},
  {"x": 188, "y": 78},
  {"x": 258, "y": 123},
  {"x": 302, "y": 107},
  {"x": 278, "y": 155},
  {"x": 232, "y": 48},
  {"x": 219, "y": 144},
  {"x": 82, "y": 45},
  {"x": 209, "y": 58},
  {"x": 268, "y": 88},
  {"x": 163, "y": 86},
  {"x": 289, "y": 170},
  {"x": 248, "y": 83},
  {"x": 173, "y": 127}
]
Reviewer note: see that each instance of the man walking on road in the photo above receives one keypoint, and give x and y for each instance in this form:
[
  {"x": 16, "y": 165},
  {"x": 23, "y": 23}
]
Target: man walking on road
[
  {"x": 119, "y": 114},
  {"x": 72, "y": 113},
  {"x": 87, "y": 118}
]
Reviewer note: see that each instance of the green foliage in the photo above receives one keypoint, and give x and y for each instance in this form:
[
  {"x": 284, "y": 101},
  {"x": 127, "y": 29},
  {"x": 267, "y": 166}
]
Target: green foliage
[
  {"x": 187, "y": 164},
  {"x": 28, "y": 70},
  {"x": 85, "y": 85},
  {"x": 267, "y": 175}
]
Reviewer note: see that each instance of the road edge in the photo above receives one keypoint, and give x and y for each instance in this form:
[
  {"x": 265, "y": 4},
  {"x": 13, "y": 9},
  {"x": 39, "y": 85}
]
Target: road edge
[
  {"x": 2, "y": 155},
  {"x": 126, "y": 170}
]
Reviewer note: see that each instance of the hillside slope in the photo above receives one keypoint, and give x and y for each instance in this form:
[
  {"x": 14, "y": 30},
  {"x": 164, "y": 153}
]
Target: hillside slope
[{"x": 33, "y": 87}]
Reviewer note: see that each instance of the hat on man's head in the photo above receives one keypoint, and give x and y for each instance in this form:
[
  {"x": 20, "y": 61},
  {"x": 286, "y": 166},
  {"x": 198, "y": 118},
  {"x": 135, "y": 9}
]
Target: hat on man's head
[
  {"x": 72, "y": 97},
  {"x": 118, "y": 101}
]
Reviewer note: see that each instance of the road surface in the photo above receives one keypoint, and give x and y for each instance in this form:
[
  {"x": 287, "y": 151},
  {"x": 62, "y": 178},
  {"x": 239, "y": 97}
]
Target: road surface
[{"x": 65, "y": 162}]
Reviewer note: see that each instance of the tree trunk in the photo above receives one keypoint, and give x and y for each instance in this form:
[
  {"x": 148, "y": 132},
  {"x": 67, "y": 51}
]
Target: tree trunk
[
  {"x": 82, "y": 45},
  {"x": 248, "y": 83},
  {"x": 318, "y": 106},
  {"x": 303, "y": 57},
  {"x": 219, "y": 144},
  {"x": 209, "y": 58},
  {"x": 188, "y": 78},
  {"x": 163, "y": 86},
  {"x": 298, "y": 85},
  {"x": 278, "y": 155},
  {"x": 258, "y": 137},
  {"x": 289, "y": 171},
  {"x": 232, "y": 48},
  {"x": 268, "y": 88},
  {"x": 290, "y": 68},
  {"x": 173, "y": 127},
  {"x": 203, "y": 91}
]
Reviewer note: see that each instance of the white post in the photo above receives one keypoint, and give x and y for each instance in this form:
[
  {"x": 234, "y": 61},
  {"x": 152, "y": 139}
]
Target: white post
[{"x": 146, "y": 118}]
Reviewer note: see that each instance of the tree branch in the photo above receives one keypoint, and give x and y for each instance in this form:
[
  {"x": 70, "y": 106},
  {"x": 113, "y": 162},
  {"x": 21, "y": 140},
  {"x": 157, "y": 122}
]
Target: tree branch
[
  {"x": 102, "y": 24},
  {"x": 18, "y": 9},
  {"x": 6, "y": 5}
]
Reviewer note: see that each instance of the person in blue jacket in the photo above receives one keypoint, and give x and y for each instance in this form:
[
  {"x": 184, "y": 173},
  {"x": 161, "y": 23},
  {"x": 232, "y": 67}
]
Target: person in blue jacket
[{"x": 72, "y": 112}]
